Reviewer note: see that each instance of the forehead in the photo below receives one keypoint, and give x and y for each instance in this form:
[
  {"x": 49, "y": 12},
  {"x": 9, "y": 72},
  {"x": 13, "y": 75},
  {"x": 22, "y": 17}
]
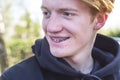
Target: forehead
[{"x": 55, "y": 4}]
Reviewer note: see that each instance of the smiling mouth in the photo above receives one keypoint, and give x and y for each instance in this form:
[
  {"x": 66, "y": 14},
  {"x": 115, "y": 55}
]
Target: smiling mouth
[{"x": 59, "y": 39}]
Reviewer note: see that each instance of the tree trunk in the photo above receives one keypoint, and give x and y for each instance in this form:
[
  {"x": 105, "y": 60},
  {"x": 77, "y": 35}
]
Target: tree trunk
[{"x": 3, "y": 55}]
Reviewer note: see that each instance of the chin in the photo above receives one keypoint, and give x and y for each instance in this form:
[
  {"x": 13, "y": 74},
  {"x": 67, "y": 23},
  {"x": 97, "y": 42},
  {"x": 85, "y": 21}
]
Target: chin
[{"x": 57, "y": 54}]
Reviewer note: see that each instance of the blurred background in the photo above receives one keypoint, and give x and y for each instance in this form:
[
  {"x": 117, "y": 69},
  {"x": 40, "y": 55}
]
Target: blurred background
[{"x": 20, "y": 26}]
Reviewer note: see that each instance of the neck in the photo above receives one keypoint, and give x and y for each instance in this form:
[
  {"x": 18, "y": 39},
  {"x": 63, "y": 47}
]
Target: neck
[{"x": 82, "y": 63}]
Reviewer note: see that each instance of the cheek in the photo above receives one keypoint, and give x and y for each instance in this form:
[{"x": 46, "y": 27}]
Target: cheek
[
  {"x": 76, "y": 28},
  {"x": 44, "y": 26}
]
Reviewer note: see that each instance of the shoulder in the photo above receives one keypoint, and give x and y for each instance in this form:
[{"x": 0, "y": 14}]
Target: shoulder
[{"x": 25, "y": 70}]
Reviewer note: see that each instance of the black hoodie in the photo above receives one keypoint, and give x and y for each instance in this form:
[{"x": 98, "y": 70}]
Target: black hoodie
[{"x": 44, "y": 66}]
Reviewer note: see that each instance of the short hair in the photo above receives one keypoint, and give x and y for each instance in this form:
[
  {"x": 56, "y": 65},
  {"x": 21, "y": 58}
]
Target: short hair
[{"x": 100, "y": 5}]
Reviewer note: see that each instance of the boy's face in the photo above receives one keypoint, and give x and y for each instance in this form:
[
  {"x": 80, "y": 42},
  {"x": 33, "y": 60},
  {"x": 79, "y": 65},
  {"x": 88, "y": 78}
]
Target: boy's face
[{"x": 67, "y": 26}]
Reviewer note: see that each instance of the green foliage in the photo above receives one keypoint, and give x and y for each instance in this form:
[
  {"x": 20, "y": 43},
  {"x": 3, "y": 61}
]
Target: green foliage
[
  {"x": 19, "y": 46},
  {"x": 27, "y": 28},
  {"x": 25, "y": 32},
  {"x": 19, "y": 49},
  {"x": 114, "y": 33},
  {"x": 111, "y": 32}
]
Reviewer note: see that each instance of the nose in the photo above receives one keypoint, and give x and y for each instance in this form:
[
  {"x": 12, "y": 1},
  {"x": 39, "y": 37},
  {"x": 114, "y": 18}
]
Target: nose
[{"x": 54, "y": 24}]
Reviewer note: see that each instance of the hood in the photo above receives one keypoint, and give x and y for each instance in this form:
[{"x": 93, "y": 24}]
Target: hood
[{"x": 106, "y": 51}]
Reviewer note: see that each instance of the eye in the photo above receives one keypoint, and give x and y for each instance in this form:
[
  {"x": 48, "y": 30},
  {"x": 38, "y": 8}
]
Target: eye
[
  {"x": 68, "y": 14},
  {"x": 46, "y": 14}
]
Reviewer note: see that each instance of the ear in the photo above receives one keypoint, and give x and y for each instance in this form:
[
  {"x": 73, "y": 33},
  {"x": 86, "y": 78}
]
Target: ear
[{"x": 101, "y": 20}]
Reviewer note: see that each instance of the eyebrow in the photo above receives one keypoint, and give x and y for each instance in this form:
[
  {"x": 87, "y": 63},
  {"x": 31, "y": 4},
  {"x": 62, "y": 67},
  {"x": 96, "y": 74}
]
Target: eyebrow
[
  {"x": 42, "y": 7},
  {"x": 61, "y": 9},
  {"x": 68, "y": 9}
]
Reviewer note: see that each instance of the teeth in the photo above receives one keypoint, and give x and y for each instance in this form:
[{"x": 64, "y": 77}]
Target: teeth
[{"x": 58, "y": 39}]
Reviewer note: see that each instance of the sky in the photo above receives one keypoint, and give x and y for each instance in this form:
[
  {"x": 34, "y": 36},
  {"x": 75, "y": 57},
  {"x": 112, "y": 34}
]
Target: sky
[
  {"x": 114, "y": 18},
  {"x": 33, "y": 6}
]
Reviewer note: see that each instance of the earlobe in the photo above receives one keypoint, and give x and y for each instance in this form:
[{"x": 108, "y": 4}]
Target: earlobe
[{"x": 101, "y": 20}]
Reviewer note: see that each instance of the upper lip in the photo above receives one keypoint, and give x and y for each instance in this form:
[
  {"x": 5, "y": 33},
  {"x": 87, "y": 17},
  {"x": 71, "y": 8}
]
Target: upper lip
[
  {"x": 58, "y": 37},
  {"x": 54, "y": 36}
]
